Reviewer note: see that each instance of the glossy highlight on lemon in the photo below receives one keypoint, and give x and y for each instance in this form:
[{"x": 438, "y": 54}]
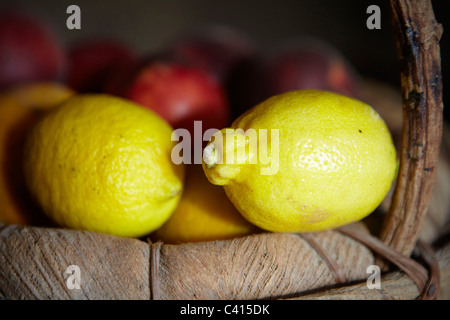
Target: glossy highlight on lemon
[
  {"x": 102, "y": 164},
  {"x": 336, "y": 156}
]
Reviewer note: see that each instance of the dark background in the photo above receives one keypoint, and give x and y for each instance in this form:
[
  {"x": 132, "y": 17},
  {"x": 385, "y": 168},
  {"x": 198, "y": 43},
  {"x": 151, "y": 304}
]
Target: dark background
[{"x": 148, "y": 25}]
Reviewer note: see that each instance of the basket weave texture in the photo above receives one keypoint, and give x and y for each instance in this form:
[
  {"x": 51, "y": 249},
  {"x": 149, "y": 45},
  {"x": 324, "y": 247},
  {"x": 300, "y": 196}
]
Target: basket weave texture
[{"x": 324, "y": 265}]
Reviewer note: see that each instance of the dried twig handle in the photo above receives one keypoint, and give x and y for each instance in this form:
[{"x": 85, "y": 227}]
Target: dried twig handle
[{"x": 417, "y": 38}]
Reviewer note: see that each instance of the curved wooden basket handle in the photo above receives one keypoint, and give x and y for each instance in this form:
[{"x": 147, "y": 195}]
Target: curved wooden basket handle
[{"x": 417, "y": 42}]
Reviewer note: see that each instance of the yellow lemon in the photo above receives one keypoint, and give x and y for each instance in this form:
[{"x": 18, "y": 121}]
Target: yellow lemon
[
  {"x": 103, "y": 164},
  {"x": 20, "y": 108},
  {"x": 304, "y": 161},
  {"x": 204, "y": 214}
]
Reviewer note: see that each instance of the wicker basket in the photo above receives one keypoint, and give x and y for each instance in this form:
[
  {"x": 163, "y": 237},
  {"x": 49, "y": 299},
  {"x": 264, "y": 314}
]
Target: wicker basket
[{"x": 37, "y": 263}]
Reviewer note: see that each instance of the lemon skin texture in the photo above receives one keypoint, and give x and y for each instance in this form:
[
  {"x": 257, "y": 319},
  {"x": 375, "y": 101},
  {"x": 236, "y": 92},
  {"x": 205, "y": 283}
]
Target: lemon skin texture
[
  {"x": 102, "y": 164},
  {"x": 336, "y": 157}
]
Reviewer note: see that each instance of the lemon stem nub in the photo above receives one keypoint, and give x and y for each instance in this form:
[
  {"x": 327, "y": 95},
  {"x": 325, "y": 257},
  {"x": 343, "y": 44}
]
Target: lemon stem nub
[{"x": 211, "y": 156}]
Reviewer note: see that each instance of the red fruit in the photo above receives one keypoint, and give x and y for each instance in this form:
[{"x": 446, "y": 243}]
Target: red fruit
[
  {"x": 28, "y": 50},
  {"x": 310, "y": 64},
  {"x": 118, "y": 81},
  {"x": 91, "y": 63},
  {"x": 215, "y": 49},
  {"x": 180, "y": 95}
]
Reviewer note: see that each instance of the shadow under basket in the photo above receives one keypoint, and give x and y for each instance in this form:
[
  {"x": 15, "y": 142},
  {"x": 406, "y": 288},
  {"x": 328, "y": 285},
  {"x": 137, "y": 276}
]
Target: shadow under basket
[{"x": 36, "y": 262}]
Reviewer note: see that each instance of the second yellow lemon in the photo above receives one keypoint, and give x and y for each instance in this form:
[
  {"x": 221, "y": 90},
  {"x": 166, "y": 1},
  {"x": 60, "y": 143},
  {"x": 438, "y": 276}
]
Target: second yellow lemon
[
  {"x": 103, "y": 164},
  {"x": 321, "y": 160},
  {"x": 204, "y": 214}
]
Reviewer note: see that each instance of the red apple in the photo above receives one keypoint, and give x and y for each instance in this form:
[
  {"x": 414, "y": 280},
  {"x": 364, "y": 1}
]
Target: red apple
[
  {"x": 309, "y": 63},
  {"x": 180, "y": 95},
  {"x": 216, "y": 49},
  {"x": 29, "y": 51},
  {"x": 92, "y": 62}
]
